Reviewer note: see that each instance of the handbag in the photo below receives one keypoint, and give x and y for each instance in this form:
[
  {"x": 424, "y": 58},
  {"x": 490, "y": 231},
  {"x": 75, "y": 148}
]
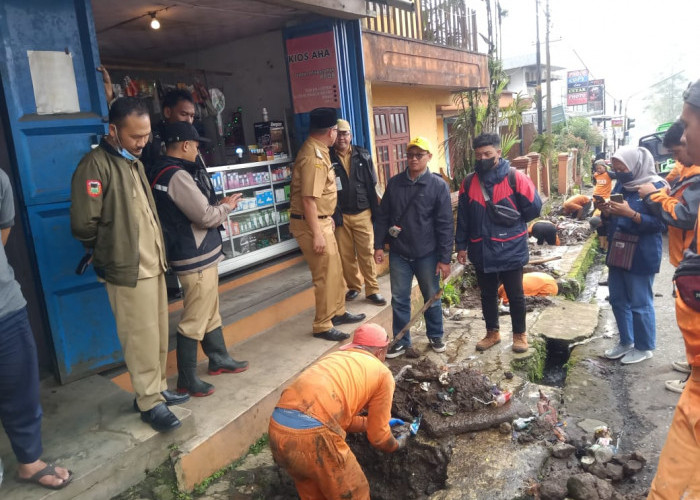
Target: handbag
[
  {"x": 622, "y": 249},
  {"x": 499, "y": 214},
  {"x": 687, "y": 277}
]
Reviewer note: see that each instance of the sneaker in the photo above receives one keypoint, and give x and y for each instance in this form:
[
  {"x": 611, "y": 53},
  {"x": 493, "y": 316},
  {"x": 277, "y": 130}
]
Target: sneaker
[
  {"x": 437, "y": 344},
  {"x": 675, "y": 385},
  {"x": 635, "y": 356},
  {"x": 681, "y": 366},
  {"x": 396, "y": 350},
  {"x": 618, "y": 351}
]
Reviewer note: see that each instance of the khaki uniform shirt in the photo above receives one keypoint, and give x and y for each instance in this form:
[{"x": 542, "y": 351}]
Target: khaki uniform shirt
[
  {"x": 345, "y": 159},
  {"x": 313, "y": 176},
  {"x": 151, "y": 251}
]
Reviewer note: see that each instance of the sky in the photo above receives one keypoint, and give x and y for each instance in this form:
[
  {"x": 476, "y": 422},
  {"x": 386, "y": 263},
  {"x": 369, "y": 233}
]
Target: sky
[{"x": 632, "y": 44}]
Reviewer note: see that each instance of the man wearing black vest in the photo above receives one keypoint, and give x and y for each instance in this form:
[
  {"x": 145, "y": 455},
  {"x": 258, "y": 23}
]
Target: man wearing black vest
[
  {"x": 190, "y": 215},
  {"x": 357, "y": 201}
]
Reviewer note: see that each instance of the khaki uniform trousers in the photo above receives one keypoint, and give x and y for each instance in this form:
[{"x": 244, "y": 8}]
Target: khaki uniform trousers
[
  {"x": 320, "y": 462},
  {"x": 326, "y": 272},
  {"x": 141, "y": 314},
  {"x": 356, "y": 246},
  {"x": 678, "y": 472},
  {"x": 201, "y": 303}
]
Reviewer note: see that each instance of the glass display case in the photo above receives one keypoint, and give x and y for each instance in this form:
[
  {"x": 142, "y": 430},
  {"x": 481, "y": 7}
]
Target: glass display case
[{"x": 259, "y": 227}]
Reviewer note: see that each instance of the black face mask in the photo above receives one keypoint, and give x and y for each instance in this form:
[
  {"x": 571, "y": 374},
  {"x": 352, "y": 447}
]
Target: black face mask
[{"x": 484, "y": 165}]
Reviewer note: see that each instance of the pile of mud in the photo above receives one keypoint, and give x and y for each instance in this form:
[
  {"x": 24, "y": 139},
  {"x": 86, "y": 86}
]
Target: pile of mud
[
  {"x": 570, "y": 231},
  {"x": 450, "y": 400}
]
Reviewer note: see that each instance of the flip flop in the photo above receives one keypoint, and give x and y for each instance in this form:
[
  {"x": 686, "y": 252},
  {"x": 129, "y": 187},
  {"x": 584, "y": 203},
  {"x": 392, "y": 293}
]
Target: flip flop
[{"x": 49, "y": 470}]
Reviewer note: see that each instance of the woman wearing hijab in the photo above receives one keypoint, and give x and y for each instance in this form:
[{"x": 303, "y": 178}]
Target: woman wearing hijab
[{"x": 634, "y": 255}]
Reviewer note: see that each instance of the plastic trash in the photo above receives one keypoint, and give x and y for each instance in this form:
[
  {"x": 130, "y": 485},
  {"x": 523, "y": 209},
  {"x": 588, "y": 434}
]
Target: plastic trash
[
  {"x": 415, "y": 425},
  {"x": 503, "y": 398},
  {"x": 522, "y": 423}
]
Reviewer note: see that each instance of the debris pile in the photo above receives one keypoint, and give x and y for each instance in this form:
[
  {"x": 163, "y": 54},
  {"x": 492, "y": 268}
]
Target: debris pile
[
  {"x": 451, "y": 400},
  {"x": 570, "y": 231}
]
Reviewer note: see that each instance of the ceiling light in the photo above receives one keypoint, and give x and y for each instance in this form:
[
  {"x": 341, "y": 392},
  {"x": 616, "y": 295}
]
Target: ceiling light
[{"x": 155, "y": 23}]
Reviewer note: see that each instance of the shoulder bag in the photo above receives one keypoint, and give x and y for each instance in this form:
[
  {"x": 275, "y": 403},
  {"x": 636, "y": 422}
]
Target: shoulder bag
[
  {"x": 622, "y": 249},
  {"x": 687, "y": 277},
  {"x": 499, "y": 214}
]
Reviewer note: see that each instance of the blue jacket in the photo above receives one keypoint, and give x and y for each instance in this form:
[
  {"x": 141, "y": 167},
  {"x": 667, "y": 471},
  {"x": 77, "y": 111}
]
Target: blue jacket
[
  {"x": 491, "y": 247},
  {"x": 428, "y": 225},
  {"x": 647, "y": 256}
]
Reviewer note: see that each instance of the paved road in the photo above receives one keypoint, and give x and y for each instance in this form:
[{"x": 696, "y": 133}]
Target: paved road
[{"x": 631, "y": 398}]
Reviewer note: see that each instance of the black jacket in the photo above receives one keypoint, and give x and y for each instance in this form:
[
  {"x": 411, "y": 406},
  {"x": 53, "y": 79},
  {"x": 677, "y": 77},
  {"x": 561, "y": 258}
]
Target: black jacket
[
  {"x": 358, "y": 189},
  {"x": 426, "y": 227},
  {"x": 189, "y": 246}
]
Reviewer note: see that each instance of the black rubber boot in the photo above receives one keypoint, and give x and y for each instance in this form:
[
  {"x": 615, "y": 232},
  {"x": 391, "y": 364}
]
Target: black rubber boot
[
  {"x": 187, "y": 380},
  {"x": 219, "y": 359}
]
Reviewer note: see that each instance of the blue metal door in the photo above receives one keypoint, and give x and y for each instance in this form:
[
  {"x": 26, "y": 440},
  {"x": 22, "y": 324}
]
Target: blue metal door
[{"x": 47, "y": 148}]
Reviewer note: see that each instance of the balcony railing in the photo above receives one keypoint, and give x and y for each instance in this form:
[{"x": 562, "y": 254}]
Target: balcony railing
[{"x": 443, "y": 22}]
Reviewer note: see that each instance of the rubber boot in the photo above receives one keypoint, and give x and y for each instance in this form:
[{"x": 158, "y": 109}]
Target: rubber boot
[
  {"x": 520, "y": 342},
  {"x": 187, "y": 380},
  {"x": 492, "y": 338},
  {"x": 219, "y": 359}
]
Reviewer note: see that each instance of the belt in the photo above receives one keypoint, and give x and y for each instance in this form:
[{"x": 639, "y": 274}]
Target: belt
[{"x": 301, "y": 217}]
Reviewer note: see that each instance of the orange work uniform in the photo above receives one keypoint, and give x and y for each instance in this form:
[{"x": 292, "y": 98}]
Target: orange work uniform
[
  {"x": 678, "y": 209},
  {"x": 603, "y": 184},
  {"x": 534, "y": 284},
  {"x": 333, "y": 391},
  {"x": 575, "y": 203},
  {"x": 677, "y": 474}
]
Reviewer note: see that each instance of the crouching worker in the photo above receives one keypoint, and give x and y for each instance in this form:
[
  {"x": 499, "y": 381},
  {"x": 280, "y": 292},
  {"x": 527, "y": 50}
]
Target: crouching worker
[
  {"x": 534, "y": 285},
  {"x": 308, "y": 426},
  {"x": 191, "y": 215},
  {"x": 577, "y": 206},
  {"x": 544, "y": 231}
]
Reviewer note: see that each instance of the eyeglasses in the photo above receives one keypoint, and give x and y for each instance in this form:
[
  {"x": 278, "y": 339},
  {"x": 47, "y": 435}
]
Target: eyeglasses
[
  {"x": 417, "y": 156},
  {"x": 343, "y": 133}
]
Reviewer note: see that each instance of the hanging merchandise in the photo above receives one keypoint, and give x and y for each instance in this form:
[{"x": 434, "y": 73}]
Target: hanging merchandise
[{"x": 219, "y": 103}]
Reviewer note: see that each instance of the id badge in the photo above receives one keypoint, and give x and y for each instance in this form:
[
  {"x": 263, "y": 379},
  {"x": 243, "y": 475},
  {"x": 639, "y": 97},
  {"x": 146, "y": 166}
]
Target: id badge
[{"x": 338, "y": 184}]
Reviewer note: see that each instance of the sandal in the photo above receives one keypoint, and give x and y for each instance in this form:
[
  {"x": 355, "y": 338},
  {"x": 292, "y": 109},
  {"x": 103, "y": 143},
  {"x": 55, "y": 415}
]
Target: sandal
[{"x": 49, "y": 470}]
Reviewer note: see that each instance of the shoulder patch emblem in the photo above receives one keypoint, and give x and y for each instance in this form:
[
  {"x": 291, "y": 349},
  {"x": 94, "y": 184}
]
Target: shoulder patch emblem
[{"x": 94, "y": 188}]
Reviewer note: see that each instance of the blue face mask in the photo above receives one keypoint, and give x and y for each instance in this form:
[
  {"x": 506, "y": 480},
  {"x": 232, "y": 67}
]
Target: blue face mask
[
  {"x": 123, "y": 152},
  {"x": 624, "y": 177}
]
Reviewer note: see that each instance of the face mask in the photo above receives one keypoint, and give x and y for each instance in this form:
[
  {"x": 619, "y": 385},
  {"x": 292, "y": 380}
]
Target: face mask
[
  {"x": 123, "y": 152},
  {"x": 484, "y": 164},
  {"x": 624, "y": 177}
]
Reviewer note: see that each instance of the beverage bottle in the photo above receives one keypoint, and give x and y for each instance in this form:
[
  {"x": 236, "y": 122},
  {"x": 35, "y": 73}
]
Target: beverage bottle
[
  {"x": 503, "y": 398},
  {"x": 264, "y": 115}
]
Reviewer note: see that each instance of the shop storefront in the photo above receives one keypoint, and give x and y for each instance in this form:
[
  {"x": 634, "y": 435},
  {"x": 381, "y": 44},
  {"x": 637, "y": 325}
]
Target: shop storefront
[{"x": 253, "y": 95}]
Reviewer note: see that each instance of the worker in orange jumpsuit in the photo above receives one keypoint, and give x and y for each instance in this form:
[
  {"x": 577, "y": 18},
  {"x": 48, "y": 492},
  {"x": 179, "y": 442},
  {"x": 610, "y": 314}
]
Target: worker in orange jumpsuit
[
  {"x": 534, "y": 284},
  {"x": 577, "y": 206},
  {"x": 308, "y": 426},
  {"x": 545, "y": 232},
  {"x": 678, "y": 208},
  {"x": 677, "y": 473},
  {"x": 602, "y": 179}
]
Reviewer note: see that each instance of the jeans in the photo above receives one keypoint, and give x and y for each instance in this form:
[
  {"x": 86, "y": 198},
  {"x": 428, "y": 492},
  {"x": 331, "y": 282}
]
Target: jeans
[
  {"x": 401, "y": 272},
  {"x": 20, "y": 411},
  {"x": 632, "y": 302},
  {"x": 513, "y": 283}
]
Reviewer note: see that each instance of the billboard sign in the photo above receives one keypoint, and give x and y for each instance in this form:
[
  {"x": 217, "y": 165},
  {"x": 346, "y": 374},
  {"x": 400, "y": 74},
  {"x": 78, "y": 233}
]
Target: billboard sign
[
  {"x": 577, "y": 87},
  {"x": 596, "y": 95}
]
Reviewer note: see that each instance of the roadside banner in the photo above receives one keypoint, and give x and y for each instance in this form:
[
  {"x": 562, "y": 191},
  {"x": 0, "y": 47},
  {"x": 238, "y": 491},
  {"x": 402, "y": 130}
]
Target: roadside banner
[
  {"x": 577, "y": 87},
  {"x": 596, "y": 95}
]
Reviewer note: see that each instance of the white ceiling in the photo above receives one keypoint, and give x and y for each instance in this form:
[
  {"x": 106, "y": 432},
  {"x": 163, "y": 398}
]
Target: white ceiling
[{"x": 186, "y": 26}]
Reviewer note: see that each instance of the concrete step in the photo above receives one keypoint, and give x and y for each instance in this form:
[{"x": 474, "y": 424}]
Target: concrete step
[{"x": 90, "y": 426}]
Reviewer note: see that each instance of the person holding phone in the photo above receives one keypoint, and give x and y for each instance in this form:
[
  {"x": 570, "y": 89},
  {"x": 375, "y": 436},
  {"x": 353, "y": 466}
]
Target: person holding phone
[
  {"x": 191, "y": 215},
  {"x": 634, "y": 254}
]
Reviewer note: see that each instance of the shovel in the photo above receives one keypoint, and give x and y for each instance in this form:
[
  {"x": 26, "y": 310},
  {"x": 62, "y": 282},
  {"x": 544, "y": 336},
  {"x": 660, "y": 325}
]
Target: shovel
[{"x": 415, "y": 317}]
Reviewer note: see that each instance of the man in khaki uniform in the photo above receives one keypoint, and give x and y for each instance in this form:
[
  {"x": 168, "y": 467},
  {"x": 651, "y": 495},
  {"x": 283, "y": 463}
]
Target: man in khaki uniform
[
  {"x": 357, "y": 203},
  {"x": 313, "y": 201},
  {"x": 113, "y": 214}
]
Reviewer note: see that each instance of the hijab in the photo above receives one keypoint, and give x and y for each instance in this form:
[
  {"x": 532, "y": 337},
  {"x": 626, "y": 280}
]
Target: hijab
[{"x": 640, "y": 163}]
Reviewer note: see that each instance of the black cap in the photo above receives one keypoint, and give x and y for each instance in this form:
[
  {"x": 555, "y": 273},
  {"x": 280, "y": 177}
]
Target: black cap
[
  {"x": 692, "y": 94},
  {"x": 180, "y": 132},
  {"x": 323, "y": 118}
]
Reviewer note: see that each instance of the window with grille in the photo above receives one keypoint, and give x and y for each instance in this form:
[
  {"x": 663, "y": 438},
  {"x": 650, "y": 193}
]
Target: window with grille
[{"x": 391, "y": 135}]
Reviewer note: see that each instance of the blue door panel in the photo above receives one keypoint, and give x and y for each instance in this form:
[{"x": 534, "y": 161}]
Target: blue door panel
[
  {"x": 81, "y": 333},
  {"x": 47, "y": 148},
  {"x": 54, "y": 154}
]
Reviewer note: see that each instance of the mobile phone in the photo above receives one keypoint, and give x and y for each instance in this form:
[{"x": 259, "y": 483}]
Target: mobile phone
[{"x": 617, "y": 198}]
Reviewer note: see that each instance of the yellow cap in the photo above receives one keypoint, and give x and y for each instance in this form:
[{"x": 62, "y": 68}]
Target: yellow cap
[
  {"x": 343, "y": 125},
  {"x": 420, "y": 142}
]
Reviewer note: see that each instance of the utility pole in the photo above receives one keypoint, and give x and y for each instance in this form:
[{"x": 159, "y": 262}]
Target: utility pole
[
  {"x": 549, "y": 72},
  {"x": 538, "y": 91}
]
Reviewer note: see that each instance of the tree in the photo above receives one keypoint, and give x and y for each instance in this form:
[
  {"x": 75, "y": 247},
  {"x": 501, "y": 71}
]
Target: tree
[{"x": 664, "y": 101}]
